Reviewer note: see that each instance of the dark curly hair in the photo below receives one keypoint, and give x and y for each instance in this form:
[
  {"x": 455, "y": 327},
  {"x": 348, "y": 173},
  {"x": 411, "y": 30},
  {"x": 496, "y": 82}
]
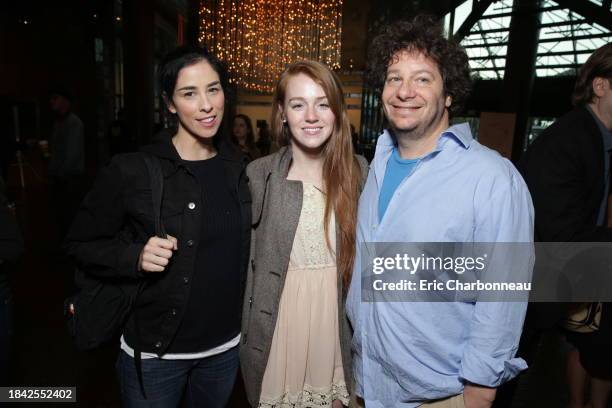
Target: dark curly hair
[{"x": 425, "y": 35}]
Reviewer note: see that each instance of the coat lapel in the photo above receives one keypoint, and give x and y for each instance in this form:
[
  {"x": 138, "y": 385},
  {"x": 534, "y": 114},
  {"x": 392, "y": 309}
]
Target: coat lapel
[{"x": 288, "y": 217}]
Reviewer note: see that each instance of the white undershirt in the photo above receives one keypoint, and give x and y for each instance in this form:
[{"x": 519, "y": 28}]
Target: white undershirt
[{"x": 184, "y": 356}]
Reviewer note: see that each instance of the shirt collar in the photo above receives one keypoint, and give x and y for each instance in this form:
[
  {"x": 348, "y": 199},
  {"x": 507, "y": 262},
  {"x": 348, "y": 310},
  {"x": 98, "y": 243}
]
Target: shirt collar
[
  {"x": 605, "y": 133},
  {"x": 459, "y": 132},
  {"x": 164, "y": 148}
]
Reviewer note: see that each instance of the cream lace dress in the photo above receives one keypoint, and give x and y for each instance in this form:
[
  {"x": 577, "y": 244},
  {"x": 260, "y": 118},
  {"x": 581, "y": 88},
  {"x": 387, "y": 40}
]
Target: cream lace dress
[{"x": 305, "y": 365}]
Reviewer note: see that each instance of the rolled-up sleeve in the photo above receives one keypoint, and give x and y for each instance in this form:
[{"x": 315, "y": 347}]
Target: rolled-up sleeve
[{"x": 505, "y": 215}]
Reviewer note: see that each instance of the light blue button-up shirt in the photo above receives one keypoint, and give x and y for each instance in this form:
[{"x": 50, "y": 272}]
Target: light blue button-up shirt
[{"x": 409, "y": 352}]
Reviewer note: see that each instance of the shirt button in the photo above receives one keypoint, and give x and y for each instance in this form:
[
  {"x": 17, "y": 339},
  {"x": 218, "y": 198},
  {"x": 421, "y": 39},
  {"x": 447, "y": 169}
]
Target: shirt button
[
  {"x": 190, "y": 243},
  {"x": 186, "y": 280},
  {"x": 158, "y": 344},
  {"x": 191, "y": 205}
]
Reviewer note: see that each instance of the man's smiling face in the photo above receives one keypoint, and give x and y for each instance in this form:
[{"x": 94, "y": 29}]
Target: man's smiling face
[{"x": 413, "y": 95}]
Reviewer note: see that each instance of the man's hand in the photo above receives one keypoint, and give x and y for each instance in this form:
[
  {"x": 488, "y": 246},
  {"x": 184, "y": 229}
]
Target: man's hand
[
  {"x": 477, "y": 396},
  {"x": 156, "y": 254}
]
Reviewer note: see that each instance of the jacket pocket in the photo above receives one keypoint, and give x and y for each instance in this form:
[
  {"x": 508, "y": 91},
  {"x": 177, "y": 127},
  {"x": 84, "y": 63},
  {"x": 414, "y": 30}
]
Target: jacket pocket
[
  {"x": 172, "y": 217},
  {"x": 139, "y": 204}
]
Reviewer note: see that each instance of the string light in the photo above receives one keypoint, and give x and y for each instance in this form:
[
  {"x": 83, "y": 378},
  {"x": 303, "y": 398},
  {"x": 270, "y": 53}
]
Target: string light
[{"x": 258, "y": 38}]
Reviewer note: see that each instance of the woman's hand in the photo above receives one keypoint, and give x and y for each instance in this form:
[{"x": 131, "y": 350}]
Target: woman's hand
[{"x": 156, "y": 254}]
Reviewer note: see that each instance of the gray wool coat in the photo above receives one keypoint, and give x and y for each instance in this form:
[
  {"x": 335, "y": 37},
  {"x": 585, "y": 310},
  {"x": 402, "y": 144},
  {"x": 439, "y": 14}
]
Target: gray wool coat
[{"x": 277, "y": 203}]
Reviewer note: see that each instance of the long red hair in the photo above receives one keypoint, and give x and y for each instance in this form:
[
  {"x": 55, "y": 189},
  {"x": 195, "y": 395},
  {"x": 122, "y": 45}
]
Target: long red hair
[{"x": 341, "y": 171}]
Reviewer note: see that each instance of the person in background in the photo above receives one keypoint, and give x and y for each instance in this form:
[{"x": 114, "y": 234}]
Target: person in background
[
  {"x": 264, "y": 141},
  {"x": 66, "y": 161},
  {"x": 243, "y": 136},
  {"x": 567, "y": 169},
  {"x": 11, "y": 248},
  {"x": 188, "y": 325},
  {"x": 296, "y": 345}
]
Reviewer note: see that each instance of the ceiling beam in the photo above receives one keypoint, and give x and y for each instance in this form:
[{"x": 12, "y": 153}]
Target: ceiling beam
[
  {"x": 575, "y": 37},
  {"x": 545, "y": 25},
  {"x": 478, "y": 9},
  {"x": 591, "y": 11},
  {"x": 510, "y": 13},
  {"x": 443, "y": 7},
  {"x": 540, "y": 54},
  {"x": 543, "y": 40}
]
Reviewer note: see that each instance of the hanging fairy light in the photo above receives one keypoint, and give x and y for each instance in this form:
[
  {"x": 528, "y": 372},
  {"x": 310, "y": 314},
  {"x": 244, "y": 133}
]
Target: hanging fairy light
[{"x": 258, "y": 38}]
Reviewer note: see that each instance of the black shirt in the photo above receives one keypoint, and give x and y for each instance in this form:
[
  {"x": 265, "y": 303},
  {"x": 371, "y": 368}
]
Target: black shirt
[{"x": 212, "y": 315}]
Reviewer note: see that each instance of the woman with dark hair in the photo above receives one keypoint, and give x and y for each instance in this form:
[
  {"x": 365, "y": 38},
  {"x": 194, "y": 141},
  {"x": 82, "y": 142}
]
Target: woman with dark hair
[
  {"x": 243, "y": 137},
  {"x": 188, "y": 312},
  {"x": 296, "y": 346}
]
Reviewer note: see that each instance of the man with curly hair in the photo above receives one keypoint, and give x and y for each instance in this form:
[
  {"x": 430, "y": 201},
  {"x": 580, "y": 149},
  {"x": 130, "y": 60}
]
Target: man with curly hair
[{"x": 432, "y": 182}]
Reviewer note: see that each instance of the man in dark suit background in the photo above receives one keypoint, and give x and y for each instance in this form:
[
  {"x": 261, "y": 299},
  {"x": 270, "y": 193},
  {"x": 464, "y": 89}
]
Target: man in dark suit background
[{"x": 567, "y": 170}]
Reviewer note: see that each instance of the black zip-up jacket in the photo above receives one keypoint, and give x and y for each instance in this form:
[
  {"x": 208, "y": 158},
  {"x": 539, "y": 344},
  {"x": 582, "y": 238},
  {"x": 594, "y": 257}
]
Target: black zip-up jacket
[{"x": 116, "y": 220}]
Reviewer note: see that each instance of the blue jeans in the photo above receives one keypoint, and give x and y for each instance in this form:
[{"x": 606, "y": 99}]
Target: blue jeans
[{"x": 205, "y": 382}]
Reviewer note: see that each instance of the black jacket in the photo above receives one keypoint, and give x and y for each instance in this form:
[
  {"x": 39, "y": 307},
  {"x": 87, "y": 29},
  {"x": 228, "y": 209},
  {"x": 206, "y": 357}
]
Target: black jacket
[
  {"x": 116, "y": 220},
  {"x": 564, "y": 170}
]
